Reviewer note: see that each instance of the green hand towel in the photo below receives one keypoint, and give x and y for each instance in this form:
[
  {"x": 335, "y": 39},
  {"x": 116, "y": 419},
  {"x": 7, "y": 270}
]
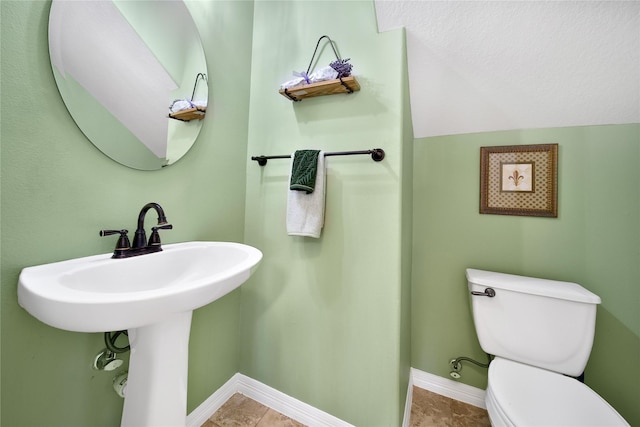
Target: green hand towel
[{"x": 304, "y": 170}]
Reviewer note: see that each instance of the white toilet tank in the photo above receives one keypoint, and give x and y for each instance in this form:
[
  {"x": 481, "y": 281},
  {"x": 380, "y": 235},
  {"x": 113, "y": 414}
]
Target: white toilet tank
[{"x": 544, "y": 323}]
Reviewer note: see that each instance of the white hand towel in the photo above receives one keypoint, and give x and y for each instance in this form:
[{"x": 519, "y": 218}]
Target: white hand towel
[{"x": 305, "y": 212}]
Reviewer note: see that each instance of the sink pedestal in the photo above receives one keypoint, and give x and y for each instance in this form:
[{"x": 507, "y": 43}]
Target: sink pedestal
[{"x": 156, "y": 392}]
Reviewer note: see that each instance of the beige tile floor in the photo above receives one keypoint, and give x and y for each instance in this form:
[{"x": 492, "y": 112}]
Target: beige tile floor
[
  {"x": 433, "y": 410},
  {"x": 428, "y": 409},
  {"x": 241, "y": 411}
]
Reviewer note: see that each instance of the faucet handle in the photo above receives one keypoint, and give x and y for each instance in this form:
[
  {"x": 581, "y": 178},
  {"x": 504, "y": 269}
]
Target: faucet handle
[
  {"x": 123, "y": 241},
  {"x": 154, "y": 239}
]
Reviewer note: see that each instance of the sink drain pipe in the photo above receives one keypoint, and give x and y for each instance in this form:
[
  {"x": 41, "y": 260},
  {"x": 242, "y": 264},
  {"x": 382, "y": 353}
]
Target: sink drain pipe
[{"x": 110, "y": 342}]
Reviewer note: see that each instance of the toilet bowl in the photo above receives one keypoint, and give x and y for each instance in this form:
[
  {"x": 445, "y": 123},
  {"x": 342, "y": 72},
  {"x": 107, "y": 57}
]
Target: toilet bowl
[
  {"x": 541, "y": 333},
  {"x": 522, "y": 395}
]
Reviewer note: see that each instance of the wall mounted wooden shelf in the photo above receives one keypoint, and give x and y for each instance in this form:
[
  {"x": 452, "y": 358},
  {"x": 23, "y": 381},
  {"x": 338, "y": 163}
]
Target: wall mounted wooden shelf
[
  {"x": 189, "y": 114},
  {"x": 329, "y": 87}
]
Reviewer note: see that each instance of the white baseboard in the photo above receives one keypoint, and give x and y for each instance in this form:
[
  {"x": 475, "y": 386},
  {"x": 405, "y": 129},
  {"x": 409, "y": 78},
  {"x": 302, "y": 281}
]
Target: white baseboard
[
  {"x": 449, "y": 388},
  {"x": 406, "y": 419},
  {"x": 268, "y": 396},
  {"x": 209, "y": 407},
  {"x": 287, "y": 405},
  {"x": 313, "y": 417}
]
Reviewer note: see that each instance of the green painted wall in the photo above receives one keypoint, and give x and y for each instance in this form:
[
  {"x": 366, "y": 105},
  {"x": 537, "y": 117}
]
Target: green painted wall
[
  {"x": 57, "y": 191},
  {"x": 323, "y": 318},
  {"x": 332, "y": 322},
  {"x": 594, "y": 242}
]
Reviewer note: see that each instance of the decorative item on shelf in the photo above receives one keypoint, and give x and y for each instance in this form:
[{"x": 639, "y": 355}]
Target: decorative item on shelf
[
  {"x": 187, "y": 109},
  {"x": 342, "y": 66},
  {"x": 333, "y": 79}
]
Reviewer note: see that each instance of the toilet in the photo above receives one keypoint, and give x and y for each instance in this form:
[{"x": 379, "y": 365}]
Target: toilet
[{"x": 541, "y": 333}]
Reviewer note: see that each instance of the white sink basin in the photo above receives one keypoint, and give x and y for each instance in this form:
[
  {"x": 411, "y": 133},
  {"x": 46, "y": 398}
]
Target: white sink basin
[
  {"x": 153, "y": 296},
  {"x": 101, "y": 294}
]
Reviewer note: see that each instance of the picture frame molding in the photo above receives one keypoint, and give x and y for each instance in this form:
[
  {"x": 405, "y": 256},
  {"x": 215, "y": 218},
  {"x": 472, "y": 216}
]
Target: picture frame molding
[{"x": 500, "y": 196}]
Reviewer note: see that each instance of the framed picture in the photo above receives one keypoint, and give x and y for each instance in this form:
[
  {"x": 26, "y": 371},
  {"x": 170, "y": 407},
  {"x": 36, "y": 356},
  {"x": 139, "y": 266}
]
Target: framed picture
[{"x": 519, "y": 180}]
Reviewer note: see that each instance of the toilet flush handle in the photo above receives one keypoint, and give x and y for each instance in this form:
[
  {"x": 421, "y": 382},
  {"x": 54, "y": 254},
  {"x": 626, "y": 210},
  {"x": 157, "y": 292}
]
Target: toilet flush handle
[{"x": 488, "y": 292}]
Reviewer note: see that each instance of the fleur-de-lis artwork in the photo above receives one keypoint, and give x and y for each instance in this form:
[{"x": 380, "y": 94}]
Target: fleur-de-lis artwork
[
  {"x": 519, "y": 180},
  {"x": 517, "y": 177}
]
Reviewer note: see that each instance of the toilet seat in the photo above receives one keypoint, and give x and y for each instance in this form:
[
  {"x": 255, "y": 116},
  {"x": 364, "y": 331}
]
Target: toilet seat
[{"x": 522, "y": 395}]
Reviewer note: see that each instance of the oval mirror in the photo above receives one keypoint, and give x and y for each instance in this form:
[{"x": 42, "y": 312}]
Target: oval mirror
[{"x": 132, "y": 75}]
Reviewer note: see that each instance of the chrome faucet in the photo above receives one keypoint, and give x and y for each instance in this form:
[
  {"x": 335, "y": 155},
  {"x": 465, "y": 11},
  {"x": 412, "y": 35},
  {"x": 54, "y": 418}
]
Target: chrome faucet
[{"x": 140, "y": 244}]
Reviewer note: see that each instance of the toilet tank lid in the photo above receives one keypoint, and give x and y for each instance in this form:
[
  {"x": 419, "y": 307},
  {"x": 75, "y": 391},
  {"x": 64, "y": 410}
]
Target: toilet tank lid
[{"x": 530, "y": 285}]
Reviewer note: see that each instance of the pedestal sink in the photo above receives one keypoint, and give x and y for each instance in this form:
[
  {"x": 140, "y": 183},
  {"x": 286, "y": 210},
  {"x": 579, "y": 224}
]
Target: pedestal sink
[{"x": 153, "y": 297}]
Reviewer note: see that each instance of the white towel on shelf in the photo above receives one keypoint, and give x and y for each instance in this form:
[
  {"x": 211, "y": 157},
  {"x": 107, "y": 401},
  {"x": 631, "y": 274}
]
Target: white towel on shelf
[{"x": 305, "y": 212}]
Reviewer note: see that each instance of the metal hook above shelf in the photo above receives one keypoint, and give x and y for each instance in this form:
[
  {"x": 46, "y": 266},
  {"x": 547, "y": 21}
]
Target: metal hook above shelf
[{"x": 195, "y": 85}]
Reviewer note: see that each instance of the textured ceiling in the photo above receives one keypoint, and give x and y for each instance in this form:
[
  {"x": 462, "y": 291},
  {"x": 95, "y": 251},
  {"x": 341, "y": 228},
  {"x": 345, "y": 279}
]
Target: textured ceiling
[{"x": 477, "y": 66}]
